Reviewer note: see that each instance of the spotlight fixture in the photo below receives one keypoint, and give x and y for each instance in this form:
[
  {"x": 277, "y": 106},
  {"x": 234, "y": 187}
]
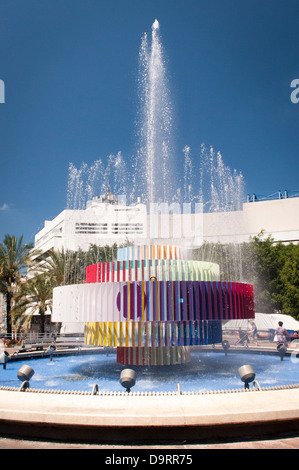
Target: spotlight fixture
[
  {"x": 225, "y": 346},
  {"x": 128, "y": 379},
  {"x": 24, "y": 374},
  {"x": 247, "y": 375},
  {"x": 282, "y": 349},
  {"x": 50, "y": 350},
  {"x": 4, "y": 358}
]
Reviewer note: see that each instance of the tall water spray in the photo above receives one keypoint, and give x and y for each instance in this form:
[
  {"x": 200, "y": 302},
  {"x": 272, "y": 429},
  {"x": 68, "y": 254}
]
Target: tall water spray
[
  {"x": 96, "y": 179},
  {"x": 149, "y": 174},
  {"x": 155, "y": 121},
  {"x": 204, "y": 177}
]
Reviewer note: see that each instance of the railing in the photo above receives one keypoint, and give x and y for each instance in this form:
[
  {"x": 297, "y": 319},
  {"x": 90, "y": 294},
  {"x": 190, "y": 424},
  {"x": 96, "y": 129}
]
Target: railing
[
  {"x": 40, "y": 341},
  {"x": 277, "y": 195}
]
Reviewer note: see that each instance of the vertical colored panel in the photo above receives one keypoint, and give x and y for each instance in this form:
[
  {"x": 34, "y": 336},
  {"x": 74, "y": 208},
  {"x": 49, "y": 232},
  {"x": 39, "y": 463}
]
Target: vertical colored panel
[
  {"x": 182, "y": 286},
  {"x": 133, "y": 315},
  {"x": 234, "y": 294},
  {"x": 229, "y": 300},
  {"x": 201, "y": 294},
  {"x": 238, "y": 293},
  {"x": 210, "y": 301},
  {"x": 196, "y": 288},
  {"x": 215, "y": 301},
  {"x": 225, "y": 307},
  {"x": 175, "y": 301},
  {"x": 100, "y": 272},
  {"x": 125, "y": 301},
  {"x": 162, "y": 300},
  {"x": 190, "y": 297},
  {"x": 240, "y": 299},
  {"x": 219, "y": 300}
]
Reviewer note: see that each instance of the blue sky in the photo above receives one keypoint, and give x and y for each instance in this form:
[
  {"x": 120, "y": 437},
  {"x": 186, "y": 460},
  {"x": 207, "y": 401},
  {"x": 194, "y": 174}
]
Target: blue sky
[{"x": 70, "y": 74}]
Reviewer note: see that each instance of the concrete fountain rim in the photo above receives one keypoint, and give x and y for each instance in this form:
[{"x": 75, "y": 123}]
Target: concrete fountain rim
[{"x": 147, "y": 417}]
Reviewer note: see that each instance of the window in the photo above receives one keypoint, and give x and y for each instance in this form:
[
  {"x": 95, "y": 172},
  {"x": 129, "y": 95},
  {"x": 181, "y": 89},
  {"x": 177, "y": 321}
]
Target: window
[
  {"x": 127, "y": 229},
  {"x": 91, "y": 228}
]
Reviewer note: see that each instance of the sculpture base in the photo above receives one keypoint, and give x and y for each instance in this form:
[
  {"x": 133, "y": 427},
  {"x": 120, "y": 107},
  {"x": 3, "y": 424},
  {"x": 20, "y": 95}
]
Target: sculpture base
[{"x": 155, "y": 356}]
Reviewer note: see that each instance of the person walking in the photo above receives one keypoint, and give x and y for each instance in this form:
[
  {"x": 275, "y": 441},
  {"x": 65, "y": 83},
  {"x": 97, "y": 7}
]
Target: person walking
[
  {"x": 281, "y": 334},
  {"x": 253, "y": 332}
]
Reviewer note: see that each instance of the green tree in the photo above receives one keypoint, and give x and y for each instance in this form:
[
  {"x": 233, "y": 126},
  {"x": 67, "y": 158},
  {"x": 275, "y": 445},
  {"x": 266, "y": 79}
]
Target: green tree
[
  {"x": 272, "y": 268},
  {"x": 64, "y": 267},
  {"x": 15, "y": 258},
  {"x": 101, "y": 254},
  {"x": 289, "y": 279},
  {"x": 33, "y": 296},
  {"x": 263, "y": 259}
]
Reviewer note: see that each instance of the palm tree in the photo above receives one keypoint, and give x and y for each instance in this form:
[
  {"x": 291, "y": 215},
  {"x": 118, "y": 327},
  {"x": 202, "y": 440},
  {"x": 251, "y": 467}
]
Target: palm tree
[
  {"x": 64, "y": 267},
  {"x": 100, "y": 254},
  {"x": 33, "y": 296},
  {"x": 15, "y": 258}
]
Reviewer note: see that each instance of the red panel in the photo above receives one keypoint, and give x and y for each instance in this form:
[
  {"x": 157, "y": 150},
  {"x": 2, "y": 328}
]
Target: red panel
[{"x": 91, "y": 273}]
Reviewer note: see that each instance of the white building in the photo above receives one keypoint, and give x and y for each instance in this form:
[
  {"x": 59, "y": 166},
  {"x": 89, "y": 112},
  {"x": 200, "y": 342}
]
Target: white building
[
  {"x": 278, "y": 218},
  {"x": 109, "y": 220},
  {"x": 104, "y": 221}
]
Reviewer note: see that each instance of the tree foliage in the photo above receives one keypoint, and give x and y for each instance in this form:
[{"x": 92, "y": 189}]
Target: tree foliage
[
  {"x": 15, "y": 258},
  {"x": 272, "y": 267},
  {"x": 31, "y": 294}
]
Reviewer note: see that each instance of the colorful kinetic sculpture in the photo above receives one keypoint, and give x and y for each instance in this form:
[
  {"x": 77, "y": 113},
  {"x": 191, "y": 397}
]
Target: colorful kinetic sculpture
[{"x": 152, "y": 305}]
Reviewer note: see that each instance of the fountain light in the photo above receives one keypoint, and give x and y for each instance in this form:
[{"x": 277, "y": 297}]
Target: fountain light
[
  {"x": 24, "y": 374},
  {"x": 247, "y": 375},
  {"x": 4, "y": 358},
  {"x": 50, "y": 351},
  {"x": 282, "y": 349},
  {"x": 225, "y": 346},
  {"x": 128, "y": 379}
]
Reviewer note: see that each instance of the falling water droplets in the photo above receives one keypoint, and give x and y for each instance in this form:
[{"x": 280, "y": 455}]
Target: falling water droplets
[{"x": 202, "y": 177}]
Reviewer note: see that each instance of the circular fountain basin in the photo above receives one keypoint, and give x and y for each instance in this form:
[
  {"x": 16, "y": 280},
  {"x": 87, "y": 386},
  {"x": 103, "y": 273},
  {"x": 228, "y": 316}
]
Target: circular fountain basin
[
  {"x": 207, "y": 371},
  {"x": 148, "y": 414}
]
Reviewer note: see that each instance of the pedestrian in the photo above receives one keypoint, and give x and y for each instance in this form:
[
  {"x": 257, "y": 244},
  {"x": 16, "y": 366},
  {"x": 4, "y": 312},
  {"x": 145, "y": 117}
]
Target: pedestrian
[
  {"x": 281, "y": 334},
  {"x": 253, "y": 332}
]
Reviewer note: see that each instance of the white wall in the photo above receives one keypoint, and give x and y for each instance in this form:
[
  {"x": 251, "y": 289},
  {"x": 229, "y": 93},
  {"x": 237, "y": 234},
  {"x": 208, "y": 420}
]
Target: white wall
[
  {"x": 278, "y": 218},
  {"x": 71, "y": 230}
]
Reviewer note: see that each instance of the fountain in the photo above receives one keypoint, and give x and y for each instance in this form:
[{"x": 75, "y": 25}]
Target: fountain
[
  {"x": 153, "y": 306},
  {"x": 155, "y": 322},
  {"x": 208, "y": 371}
]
